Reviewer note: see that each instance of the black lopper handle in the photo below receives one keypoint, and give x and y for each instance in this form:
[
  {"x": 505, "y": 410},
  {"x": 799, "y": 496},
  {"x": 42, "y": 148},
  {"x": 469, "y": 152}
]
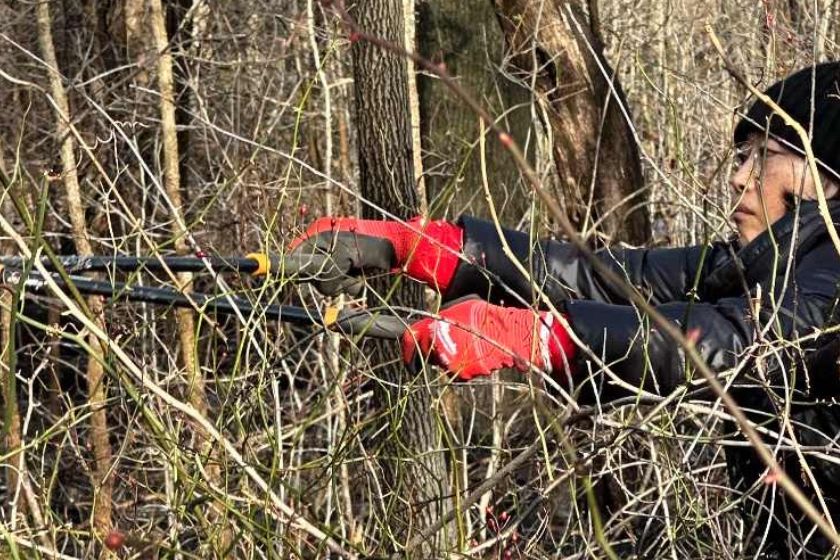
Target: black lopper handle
[
  {"x": 311, "y": 265},
  {"x": 349, "y": 321},
  {"x": 255, "y": 263},
  {"x": 363, "y": 322}
]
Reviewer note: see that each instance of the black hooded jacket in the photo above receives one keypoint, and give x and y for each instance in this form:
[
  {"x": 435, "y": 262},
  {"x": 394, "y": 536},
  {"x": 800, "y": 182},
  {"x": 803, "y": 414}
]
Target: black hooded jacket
[{"x": 780, "y": 288}]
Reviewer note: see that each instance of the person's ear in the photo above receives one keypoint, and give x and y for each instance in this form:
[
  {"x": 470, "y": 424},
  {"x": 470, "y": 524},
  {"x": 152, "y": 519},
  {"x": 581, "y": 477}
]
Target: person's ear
[
  {"x": 831, "y": 187},
  {"x": 830, "y": 184}
]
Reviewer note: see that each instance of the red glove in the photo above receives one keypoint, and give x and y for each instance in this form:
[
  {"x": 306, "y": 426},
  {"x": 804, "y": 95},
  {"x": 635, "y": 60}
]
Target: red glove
[
  {"x": 426, "y": 250},
  {"x": 474, "y": 338}
]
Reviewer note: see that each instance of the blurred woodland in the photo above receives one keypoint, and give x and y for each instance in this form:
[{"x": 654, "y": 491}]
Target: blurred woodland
[{"x": 164, "y": 127}]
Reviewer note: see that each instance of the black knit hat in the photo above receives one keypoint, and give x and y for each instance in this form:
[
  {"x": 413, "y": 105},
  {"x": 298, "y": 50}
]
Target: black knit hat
[{"x": 793, "y": 95}]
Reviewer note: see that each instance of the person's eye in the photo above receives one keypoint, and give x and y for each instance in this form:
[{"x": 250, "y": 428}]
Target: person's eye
[
  {"x": 742, "y": 154},
  {"x": 764, "y": 151}
]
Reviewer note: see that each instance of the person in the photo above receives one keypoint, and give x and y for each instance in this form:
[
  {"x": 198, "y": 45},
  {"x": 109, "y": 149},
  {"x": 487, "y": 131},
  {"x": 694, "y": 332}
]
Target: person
[{"x": 776, "y": 282}]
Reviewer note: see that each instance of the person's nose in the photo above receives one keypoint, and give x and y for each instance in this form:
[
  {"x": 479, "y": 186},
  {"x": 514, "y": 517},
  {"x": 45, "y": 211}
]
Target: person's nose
[{"x": 742, "y": 175}]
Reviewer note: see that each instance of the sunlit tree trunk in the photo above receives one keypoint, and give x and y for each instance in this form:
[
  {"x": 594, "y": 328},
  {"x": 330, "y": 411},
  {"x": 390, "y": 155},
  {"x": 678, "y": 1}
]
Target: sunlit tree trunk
[
  {"x": 173, "y": 183},
  {"x": 95, "y": 373},
  {"x": 8, "y": 394}
]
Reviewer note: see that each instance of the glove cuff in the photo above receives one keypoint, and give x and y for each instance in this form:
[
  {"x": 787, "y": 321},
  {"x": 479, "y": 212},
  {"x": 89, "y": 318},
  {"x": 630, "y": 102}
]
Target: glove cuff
[
  {"x": 430, "y": 252},
  {"x": 558, "y": 348}
]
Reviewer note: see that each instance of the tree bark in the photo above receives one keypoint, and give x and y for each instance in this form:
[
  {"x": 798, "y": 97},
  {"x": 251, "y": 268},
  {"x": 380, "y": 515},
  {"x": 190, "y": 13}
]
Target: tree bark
[
  {"x": 414, "y": 469},
  {"x": 594, "y": 149},
  {"x": 386, "y": 164},
  {"x": 172, "y": 181},
  {"x": 95, "y": 373},
  {"x": 465, "y": 38}
]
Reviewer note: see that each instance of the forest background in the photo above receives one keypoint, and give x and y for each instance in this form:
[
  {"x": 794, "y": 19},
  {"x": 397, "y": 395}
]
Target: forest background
[{"x": 152, "y": 127}]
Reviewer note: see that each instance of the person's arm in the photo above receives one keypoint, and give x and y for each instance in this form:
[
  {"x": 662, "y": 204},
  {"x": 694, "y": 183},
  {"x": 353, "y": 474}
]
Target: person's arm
[
  {"x": 563, "y": 273},
  {"x": 468, "y": 258},
  {"x": 640, "y": 355}
]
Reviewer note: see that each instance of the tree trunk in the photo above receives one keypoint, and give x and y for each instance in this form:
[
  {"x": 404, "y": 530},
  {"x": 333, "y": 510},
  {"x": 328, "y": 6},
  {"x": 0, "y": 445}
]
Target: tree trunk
[
  {"x": 184, "y": 317},
  {"x": 415, "y": 475},
  {"x": 594, "y": 149},
  {"x": 95, "y": 373},
  {"x": 465, "y": 37},
  {"x": 182, "y": 31},
  {"x": 386, "y": 165}
]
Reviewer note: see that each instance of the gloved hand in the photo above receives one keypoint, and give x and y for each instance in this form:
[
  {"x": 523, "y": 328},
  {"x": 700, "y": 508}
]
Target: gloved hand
[
  {"x": 425, "y": 250},
  {"x": 474, "y": 338}
]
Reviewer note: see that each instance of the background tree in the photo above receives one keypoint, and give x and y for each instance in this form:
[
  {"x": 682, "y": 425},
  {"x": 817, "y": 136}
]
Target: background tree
[
  {"x": 174, "y": 108},
  {"x": 11, "y": 433},
  {"x": 466, "y": 39},
  {"x": 595, "y": 151},
  {"x": 95, "y": 371}
]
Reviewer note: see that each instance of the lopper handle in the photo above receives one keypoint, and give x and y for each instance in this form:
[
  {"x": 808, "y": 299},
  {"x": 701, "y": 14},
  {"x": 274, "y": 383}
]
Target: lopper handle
[
  {"x": 255, "y": 263},
  {"x": 348, "y": 321},
  {"x": 292, "y": 263},
  {"x": 365, "y": 323}
]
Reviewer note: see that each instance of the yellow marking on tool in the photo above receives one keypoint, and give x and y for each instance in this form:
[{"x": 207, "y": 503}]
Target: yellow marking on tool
[
  {"x": 263, "y": 263},
  {"x": 331, "y": 316}
]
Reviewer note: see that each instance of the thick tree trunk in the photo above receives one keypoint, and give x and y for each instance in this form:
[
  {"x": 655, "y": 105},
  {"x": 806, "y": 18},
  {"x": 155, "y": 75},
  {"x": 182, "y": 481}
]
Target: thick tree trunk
[
  {"x": 414, "y": 468},
  {"x": 595, "y": 153},
  {"x": 386, "y": 164},
  {"x": 465, "y": 37}
]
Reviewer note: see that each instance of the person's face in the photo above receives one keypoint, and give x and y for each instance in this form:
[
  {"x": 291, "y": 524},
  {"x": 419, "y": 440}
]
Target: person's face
[{"x": 765, "y": 181}]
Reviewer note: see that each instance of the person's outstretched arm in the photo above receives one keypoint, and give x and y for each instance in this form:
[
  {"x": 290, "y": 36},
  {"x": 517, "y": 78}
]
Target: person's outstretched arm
[
  {"x": 563, "y": 273},
  {"x": 467, "y": 258}
]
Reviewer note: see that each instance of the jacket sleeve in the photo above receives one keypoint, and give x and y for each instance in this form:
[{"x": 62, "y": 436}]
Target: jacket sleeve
[
  {"x": 560, "y": 270},
  {"x": 643, "y": 357}
]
